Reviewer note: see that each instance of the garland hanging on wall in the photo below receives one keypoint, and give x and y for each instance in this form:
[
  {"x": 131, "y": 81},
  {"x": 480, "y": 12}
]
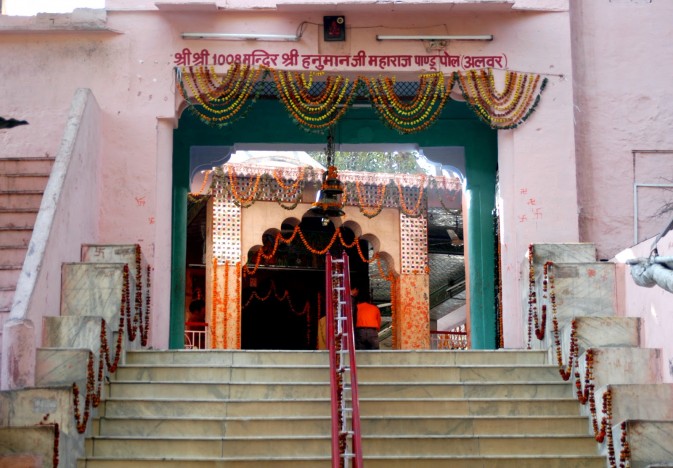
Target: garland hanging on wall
[
  {"x": 216, "y": 101},
  {"x": 370, "y": 193},
  {"x": 504, "y": 109},
  {"x": 222, "y": 101},
  {"x": 423, "y": 109}
]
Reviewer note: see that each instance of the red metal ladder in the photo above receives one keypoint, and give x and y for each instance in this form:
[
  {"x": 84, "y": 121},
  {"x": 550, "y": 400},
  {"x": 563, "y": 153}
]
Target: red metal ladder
[{"x": 346, "y": 441}]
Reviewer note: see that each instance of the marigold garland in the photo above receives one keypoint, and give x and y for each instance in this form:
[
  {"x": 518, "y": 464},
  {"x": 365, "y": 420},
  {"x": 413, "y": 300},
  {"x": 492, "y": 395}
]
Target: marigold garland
[
  {"x": 244, "y": 202},
  {"x": 231, "y": 182},
  {"x": 215, "y": 307},
  {"x": 314, "y": 112},
  {"x": 416, "y": 212},
  {"x": 378, "y": 206},
  {"x": 237, "y": 304},
  {"x": 502, "y": 110},
  {"x": 223, "y": 104},
  {"x": 206, "y": 174},
  {"x": 338, "y": 234},
  {"x": 423, "y": 109},
  {"x": 223, "y": 101}
]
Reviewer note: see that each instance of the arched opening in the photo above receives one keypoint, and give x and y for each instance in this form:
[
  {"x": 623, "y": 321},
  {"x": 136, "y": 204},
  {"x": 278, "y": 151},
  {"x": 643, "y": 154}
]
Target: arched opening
[
  {"x": 284, "y": 282},
  {"x": 457, "y": 127}
]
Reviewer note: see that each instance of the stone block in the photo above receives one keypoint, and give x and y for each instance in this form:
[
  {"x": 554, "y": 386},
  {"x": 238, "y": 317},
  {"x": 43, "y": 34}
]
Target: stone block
[
  {"x": 93, "y": 289},
  {"x": 28, "y": 447},
  {"x": 613, "y": 366},
  {"x": 601, "y": 332},
  {"x": 563, "y": 253},
  {"x": 581, "y": 289},
  {"x": 62, "y": 367},
  {"x": 650, "y": 442},
  {"x": 74, "y": 332}
]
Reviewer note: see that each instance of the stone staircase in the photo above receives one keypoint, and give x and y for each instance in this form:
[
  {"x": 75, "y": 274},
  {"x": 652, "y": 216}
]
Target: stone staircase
[
  {"x": 22, "y": 183},
  {"x": 272, "y": 408},
  {"x": 586, "y": 294}
]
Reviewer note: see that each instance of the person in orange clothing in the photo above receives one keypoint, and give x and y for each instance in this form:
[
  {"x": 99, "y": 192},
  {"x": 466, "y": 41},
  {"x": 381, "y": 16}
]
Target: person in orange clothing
[{"x": 368, "y": 323}]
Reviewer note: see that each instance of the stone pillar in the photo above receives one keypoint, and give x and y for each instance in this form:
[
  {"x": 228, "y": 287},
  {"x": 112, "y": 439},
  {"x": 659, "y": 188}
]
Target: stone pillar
[{"x": 17, "y": 369}]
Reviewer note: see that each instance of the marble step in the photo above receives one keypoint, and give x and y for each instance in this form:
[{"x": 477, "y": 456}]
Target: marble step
[
  {"x": 315, "y": 446},
  {"x": 320, "y": 373},
  {"x": 582, "y": 289},
  {"x": 228, "y": 357},
  {"x": 373, "y": 425},
  {"x": 639, "y": 402},
  {"x": 243, "y": 390},
  {"x": 156, "y": 408},
  {"x": 531, "y": 461}
]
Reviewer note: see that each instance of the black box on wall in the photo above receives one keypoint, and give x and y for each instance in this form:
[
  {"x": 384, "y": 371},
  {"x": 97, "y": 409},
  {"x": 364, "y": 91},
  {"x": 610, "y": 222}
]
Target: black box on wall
[{"x": 334, "y": 28}]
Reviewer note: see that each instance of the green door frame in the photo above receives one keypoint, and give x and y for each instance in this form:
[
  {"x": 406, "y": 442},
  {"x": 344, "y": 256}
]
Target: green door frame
[{"x": 457, "y": 126}]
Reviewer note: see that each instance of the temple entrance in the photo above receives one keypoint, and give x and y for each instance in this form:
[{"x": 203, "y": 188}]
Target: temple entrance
[{"x": 456, "y": 128}]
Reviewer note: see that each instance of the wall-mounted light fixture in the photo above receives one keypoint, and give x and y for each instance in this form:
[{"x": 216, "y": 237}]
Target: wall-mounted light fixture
[
  {"x": 483, "y": 37},
  {"x": 242, "y": 37}
]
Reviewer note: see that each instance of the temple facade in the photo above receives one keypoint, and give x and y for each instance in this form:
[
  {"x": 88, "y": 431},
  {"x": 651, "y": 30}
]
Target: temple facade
[{"x": 548, "y": 112}]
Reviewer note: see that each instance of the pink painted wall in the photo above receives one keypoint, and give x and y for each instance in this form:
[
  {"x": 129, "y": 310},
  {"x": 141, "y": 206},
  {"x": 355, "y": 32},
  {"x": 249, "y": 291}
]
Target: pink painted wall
[
  {"x": 654, "y": 306},
  {"x": 622, "y": 56},
  {"x": 128, "y": 63}
]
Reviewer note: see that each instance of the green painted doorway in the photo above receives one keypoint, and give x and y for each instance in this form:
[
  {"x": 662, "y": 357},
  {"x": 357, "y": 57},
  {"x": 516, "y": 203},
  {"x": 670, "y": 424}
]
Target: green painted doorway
[{"x": 268, "y": 122}]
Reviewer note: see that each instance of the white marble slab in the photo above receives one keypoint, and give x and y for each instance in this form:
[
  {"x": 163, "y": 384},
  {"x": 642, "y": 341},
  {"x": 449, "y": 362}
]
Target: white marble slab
[
  {"x": 73, "y": 332},
  {"x": 651, "y": 442},
  {"x": 62, "y": 367},
  {"x": 564, "y": 253},
  {"x": 640, "y": 401},
  {"x": 581, "y": 289},
  {"x": 601, "y": 332},
  {"x": 613, "y": 366},
  {"x": 93, "y": 289}
]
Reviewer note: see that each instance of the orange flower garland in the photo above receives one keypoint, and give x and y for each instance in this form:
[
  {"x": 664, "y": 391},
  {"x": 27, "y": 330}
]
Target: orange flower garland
[
  {"x": 215, "y": 307},
  {"x": 203, "y": 184},
  {"x": 222, "y": 101},
  {"x": 381, "y": 189},
  {"x": 219, "y": 105},
  {"x": 418, "y": 114},
  {"x": 261, "y": 255},
  {"x": 225, "y": 304},
  {"x": 506, "y": 109},
  {"x": 416, "y": 212},
  {"x": 315, "y": 112},
  {"x": 243, "y": 202}
]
